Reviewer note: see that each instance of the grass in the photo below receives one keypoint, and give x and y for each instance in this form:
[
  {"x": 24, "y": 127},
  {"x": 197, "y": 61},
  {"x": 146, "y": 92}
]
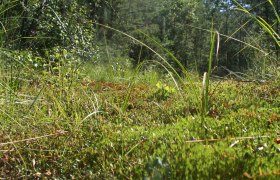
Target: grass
[
  {"x": 52, "y": 129},
  {"x": 112, "y": 122}
]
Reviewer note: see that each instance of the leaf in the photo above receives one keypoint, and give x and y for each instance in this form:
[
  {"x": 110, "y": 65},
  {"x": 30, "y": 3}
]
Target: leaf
[
  {"x": 277, "y": 141},
  {"x": 57, "y": 55},
  {"x": 274, "y": 117},
  {"x": 159, "y": 85},
  {"x": 247, "y": 175},
  {"x": 48, "y": 173}
]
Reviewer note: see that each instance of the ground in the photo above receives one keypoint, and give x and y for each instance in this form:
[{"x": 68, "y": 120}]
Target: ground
[{"x": 86, "y": 128}]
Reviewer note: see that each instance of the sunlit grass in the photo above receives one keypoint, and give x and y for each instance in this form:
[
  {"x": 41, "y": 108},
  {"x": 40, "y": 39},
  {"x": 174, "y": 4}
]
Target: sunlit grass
[
  {"x": 97, "y": 121},
  {"x": 81, "y": 131}
]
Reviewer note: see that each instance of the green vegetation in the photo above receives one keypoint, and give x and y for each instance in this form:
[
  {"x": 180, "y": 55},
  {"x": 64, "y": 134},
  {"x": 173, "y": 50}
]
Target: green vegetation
[{"x": 115, "y": 89}]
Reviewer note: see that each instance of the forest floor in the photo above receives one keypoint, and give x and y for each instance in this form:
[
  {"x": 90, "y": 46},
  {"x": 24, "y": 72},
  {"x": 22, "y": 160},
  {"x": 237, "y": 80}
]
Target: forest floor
[{"x": 90, "y": 129}]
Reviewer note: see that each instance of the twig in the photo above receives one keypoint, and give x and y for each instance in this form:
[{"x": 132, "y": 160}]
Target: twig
[
  {"x": 236, "y": 74},
  {"x": 35, "y": 138},
  {"x": 223, "y": 139},
  {"x": 5, "y": 151}
]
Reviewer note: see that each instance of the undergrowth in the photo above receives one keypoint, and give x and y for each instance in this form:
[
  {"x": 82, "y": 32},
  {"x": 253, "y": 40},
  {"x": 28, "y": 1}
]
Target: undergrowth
[
  {"x": 81, "y": 131},
  {"x": 61, "y": 118}
]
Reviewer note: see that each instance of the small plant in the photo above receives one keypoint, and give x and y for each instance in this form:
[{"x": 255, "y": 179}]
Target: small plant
[
  {"x": 164, "y": 91},
  {"x": 206, "y": 77}
]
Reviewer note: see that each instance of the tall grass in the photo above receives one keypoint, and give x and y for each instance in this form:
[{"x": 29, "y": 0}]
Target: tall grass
[
  {"x": 206, "y": 77},
  {"x": 268, "y": 28},
  {"x": 263, "y": 23},
  {"x": 190, "y": 87}
]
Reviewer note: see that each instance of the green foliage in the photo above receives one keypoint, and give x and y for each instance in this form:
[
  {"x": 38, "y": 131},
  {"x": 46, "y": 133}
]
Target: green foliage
[
  {"x": 153, "y": 138},
  {"x": 74, "y": 107},
  {"x": 164, "y": 91}
]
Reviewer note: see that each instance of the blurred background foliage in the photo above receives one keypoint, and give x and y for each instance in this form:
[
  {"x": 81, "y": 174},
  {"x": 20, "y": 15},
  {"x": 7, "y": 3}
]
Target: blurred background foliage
[{"x": 40, "y": 28}]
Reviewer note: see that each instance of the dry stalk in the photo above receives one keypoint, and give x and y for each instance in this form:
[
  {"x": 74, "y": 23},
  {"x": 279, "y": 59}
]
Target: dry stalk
[{"x": 61, "y": 132}]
